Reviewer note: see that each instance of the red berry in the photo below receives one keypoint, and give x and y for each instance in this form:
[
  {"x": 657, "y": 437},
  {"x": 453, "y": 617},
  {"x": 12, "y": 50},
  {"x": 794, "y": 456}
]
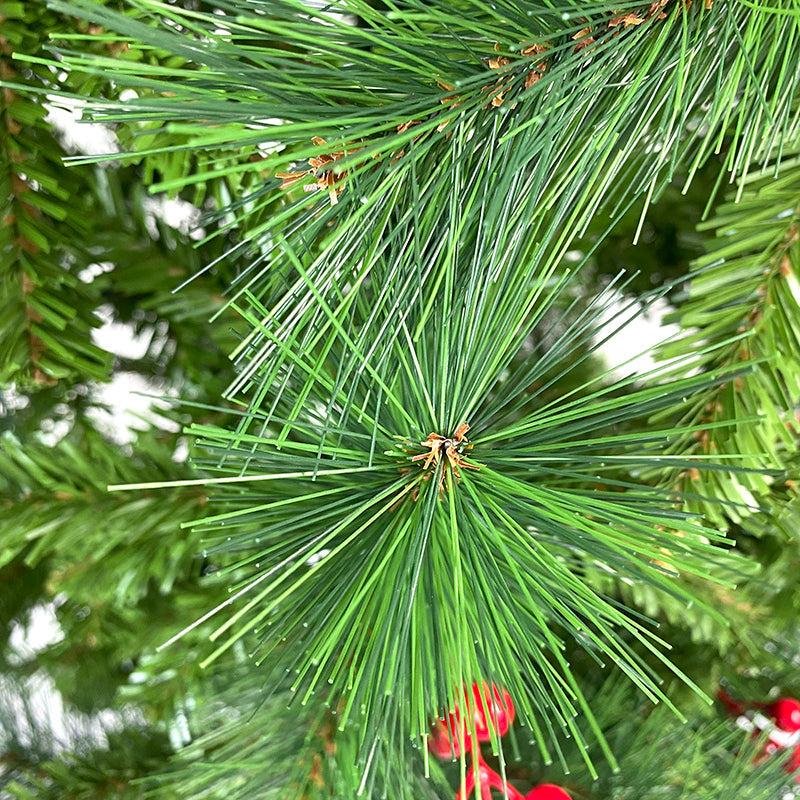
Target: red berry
[
  {"x": 733, "y": 705},
  {"x": 786, "y": 713},
  {"x": 501, "y": 711},
  {"x": 445, "y": 738},
  {"x": 547, "y": 791}
]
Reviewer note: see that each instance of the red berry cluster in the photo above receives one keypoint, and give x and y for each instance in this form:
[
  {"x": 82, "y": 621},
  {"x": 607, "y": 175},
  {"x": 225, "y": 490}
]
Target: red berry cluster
[
  {"x": 780, "y": 719},
  {"x": 489, "y": 710}
]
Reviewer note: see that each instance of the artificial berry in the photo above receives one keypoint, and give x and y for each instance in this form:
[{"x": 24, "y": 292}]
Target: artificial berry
[
  {"x": 547, "y": 791},
  {"x": 733, "y": 705},
  {"x": 786, "y": 713},
  {"x": 501, "y": 711},
  {"x": 445, "y": 737},
  {"x": 444, "y": 741}
]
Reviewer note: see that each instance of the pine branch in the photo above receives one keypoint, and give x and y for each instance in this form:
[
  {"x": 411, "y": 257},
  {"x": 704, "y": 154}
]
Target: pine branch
[
  {"x": 60, "y": 222},
  {"x": 660, "y": 757},
  {"x": 146, "y": 261},
  {"x": 96, "y": 773},
  {"x": 363, "y": 111},
  {"x": 61, "y": 512},
  {"x": 47, "y": 314},
  {"x": 59, "y": 518},
  {"x": 485, "y": 552},
  {"x": 747, "y": 299},
  {"x": 375, "y": 545},
  {"x": 250, "y": 739}
]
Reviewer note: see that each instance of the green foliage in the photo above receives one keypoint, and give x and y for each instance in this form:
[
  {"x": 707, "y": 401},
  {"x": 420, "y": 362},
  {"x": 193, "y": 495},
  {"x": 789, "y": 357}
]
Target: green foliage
[
  {"x": 46, "y": 310},
  {"x": 238, "y": 755},
  {"x": 65, "y": 523},
  {"x": 106, "y": 772},
  {"x": 660, "y": 757},
  {"x": 57, "y": 221},
  {"x": 65, "y": 534},
  {"x": 748, "y": 301},
  {"x": 554, "y": 494},
  {"x": 411, "y": 213},
  {"x": 417, "y": 472}
]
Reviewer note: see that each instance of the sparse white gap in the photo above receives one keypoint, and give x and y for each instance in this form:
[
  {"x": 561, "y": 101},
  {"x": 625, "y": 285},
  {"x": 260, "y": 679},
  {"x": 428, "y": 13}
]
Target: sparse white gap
[
  {"x": 180, "y": 454},
  {"x": 11, "y": 400},
  {"x": 124, "y": 410},
  {"x": 39, "y": 630},
  {"x": 42, "y": 722},
  {"x": 178, "y": 214},
  {"x": 179, "y": 734},
  {"x": 52, "y": 431},
  {"x": 317, "y": 557},
  {"x": 630, "y": 350},
  {"x": 88, "y": 274},
  {"x": 127, "y": 408},
  {"x": 791, "y": 793},
  {"x": 268, "y": 148},
  {"x": 120, "y": 338},
  {"x": 87, "y": 138}
]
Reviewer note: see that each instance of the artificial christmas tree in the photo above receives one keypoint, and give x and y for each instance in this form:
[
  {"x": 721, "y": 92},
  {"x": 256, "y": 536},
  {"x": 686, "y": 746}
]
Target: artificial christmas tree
[{"x": 404, "y": 531}]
